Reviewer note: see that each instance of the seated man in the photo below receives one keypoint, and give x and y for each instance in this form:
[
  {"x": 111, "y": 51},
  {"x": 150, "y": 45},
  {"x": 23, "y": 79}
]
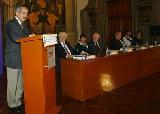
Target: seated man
[
  {"x": 95, "y": 47},
  {"x": 137, "y": 40},
  {"x": 116, "y": 43},
  {"x": 127, "y": 39},
  {"x": 62, "y": 50}
]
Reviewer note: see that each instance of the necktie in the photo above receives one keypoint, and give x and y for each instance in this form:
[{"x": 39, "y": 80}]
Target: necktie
[
  {"x": 21, "y": 25},
  {"x": 122, "y": 43},
  {"x": 66, "y": 49},
  {"x": 97, "y": 46}
]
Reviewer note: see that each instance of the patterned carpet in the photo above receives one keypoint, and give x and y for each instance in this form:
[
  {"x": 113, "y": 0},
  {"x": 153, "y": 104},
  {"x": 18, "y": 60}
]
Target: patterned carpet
[{"x": 139, "y": 97}]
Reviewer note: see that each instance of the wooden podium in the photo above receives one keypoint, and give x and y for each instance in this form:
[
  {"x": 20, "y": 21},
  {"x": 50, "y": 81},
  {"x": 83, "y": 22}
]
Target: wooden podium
[{"x": 38, "y": 79}]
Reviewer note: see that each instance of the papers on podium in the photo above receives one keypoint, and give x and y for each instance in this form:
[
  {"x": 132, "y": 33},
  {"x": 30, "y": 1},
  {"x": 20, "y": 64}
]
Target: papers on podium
[{"x": 49, "y": 39}]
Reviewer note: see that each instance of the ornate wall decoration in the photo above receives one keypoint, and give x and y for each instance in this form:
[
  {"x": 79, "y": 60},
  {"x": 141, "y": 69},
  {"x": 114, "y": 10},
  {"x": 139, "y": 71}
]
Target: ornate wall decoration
[
  {"x": 93, "y": 16},
  {"x": 144, "y": 18},
  {"x": 45, "y": 15},
  {"x": 145, "y": 13}
]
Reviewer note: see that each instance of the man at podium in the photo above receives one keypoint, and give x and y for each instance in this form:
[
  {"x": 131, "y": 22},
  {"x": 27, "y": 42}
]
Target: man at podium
[{"x": 15, "y": 29}]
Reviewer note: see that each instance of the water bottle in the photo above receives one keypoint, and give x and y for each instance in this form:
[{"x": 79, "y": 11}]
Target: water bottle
[
  {"x": 146, "y": 45},
  {"x": 107, "y": 52},
  {"x": 123, "y": 48},
  {"x": 155, "y": 43},
  {"x": 137, "y": 47}
]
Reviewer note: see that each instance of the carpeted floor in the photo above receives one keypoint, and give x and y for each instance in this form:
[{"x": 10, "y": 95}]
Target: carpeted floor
[{"x": 139, "y": 97}]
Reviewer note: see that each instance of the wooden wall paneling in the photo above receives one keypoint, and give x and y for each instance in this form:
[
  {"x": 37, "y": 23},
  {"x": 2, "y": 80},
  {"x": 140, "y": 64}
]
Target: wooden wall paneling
[{"x": 119, "y": 16}]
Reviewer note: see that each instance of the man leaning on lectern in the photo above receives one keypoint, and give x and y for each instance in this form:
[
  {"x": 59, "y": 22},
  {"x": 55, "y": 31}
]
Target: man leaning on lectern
[{"x": 15, "y": 29}]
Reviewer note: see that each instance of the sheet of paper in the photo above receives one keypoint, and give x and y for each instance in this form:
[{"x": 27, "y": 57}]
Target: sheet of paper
[{"x": 49, "y": 39}]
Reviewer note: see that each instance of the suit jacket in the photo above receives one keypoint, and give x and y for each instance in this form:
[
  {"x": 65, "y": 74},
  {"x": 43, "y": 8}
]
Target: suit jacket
[
  {"x": 115, "y": 44},
  {"x": 14, "y": 32},
  {"x": 79, "y": 48},
  {"x": 137, "y": 41},
  {"x": 93, "y": 50},
  {"x": 60, "y": 52}
]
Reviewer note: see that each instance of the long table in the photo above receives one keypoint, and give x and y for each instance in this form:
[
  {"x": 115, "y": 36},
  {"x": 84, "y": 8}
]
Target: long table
[{"x": 86, "y": 79}]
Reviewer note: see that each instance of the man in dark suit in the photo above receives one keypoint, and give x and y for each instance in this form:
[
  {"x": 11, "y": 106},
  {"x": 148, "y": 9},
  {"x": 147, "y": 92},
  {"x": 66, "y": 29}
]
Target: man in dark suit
[
  {"x": 95, "y": 47},
  {"x": 62, "y": 50},
  {"x": 137, "y": 40},
  {"x": 15, "y": 29},
  {"x": 116, "y": 43}
]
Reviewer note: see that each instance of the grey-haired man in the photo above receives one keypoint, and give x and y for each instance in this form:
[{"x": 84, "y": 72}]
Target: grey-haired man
[{"x": 15, "y": 29}]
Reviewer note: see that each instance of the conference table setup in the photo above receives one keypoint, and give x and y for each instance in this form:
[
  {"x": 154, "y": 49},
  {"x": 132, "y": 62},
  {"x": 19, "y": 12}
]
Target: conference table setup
[{"x": 84, "y": 79}]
